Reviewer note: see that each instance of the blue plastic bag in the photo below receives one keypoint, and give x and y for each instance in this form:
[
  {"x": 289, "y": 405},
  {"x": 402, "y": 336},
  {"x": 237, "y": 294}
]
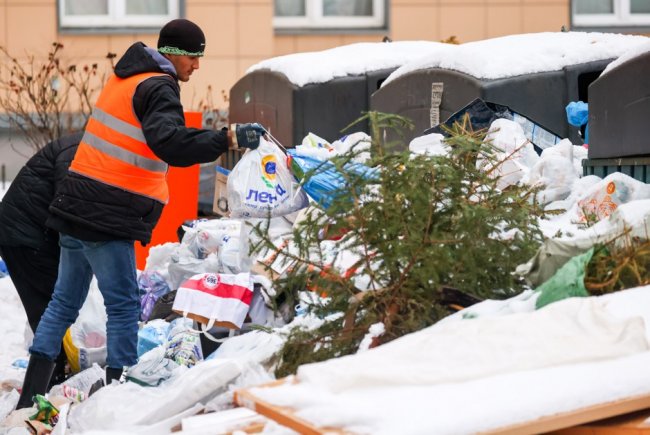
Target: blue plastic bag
[
  {"x": 152, "y": 335},
  {"x": 321, "y": 179},
  {"x": 3, "y": 268},
  {"x": 577, "y": 113}
]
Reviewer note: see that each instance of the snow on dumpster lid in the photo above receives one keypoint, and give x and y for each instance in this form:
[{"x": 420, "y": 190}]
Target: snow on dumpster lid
[
  {"x": 530, "y": 53},
  {"x": 352, "y": 59},
  {"x": 629, "y": 55}
]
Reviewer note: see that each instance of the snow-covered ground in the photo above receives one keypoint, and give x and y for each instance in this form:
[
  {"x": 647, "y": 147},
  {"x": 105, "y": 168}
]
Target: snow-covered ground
[
  {"x": 14, "y": 327},
  {"x": 15, "y": 332},
  {"x": 15, "y": 335}
]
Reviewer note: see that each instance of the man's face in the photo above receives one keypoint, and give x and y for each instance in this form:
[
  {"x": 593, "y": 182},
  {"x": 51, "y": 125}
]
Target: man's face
[{"x": 185, "y": 65}]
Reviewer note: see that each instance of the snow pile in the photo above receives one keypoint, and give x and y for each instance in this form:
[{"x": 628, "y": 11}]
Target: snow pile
[
  {"x": 630, "y": 54},
  {"x": 354, "y": 59},
  {"x": 568, "y": 332},
  {"x": 514, "y": 55},
  {"x": 494, "y": 58},
  {"x": 16, "y": 334},
  {"x": 526, "y": 394}
]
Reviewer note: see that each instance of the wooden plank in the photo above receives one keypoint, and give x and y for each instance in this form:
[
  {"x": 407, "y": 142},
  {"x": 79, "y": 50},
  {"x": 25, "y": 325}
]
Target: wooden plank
[
  {"x": 577, "y": 417},
  {"x": 282, "y": 415},
  {"x": 628, "y": 424}
]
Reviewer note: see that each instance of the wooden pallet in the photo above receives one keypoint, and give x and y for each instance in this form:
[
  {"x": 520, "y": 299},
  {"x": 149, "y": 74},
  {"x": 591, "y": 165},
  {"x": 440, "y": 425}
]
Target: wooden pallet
[
  {"x": 628, "y": 424},
  {"x": 577, "y": 422}
]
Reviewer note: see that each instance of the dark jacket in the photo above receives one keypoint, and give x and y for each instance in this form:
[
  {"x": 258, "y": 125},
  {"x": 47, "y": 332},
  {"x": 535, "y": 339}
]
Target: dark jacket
[
  {"x": 24, "y": 208},
  {"x": 93, "y": 211}
]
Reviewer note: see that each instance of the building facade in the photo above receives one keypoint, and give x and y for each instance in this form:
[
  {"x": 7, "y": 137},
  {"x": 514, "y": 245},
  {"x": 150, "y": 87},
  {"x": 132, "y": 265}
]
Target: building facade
[{"x": 241, "y": 33}]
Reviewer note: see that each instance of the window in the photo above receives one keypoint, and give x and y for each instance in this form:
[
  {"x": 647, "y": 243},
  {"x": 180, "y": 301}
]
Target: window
[
  {"x": 116, "y": 13},
  {"x": 329, "y": 14},
  {"x": 611, "y": 13}
]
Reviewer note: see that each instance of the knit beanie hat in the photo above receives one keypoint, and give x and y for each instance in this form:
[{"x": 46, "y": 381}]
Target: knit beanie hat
[{"x": 181, "y": 37}]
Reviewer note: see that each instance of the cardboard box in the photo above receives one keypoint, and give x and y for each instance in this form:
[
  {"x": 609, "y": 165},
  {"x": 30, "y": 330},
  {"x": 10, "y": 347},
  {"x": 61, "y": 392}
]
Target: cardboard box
[{"x": 220, "y": 204}]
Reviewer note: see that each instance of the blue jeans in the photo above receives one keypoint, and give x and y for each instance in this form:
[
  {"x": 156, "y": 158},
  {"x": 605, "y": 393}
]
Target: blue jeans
[{"x": 113, "y": 263}]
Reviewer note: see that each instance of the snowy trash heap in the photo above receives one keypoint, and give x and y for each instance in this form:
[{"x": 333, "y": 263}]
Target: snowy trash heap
[
  {"x": 171, "y": 386},
  {"x": 556, "y": 348}
]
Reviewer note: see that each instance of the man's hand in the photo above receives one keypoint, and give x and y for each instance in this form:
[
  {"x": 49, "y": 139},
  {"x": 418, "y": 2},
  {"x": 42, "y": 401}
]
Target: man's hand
[{"x": 247, "y": 135}]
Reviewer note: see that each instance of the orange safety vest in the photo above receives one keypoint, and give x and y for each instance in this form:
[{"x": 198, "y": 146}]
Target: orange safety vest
[{"x": 113, "y": 149}]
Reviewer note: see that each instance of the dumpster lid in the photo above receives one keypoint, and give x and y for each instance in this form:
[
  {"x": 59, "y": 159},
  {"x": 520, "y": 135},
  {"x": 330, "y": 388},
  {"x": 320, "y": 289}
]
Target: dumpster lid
[
  {"x": 353, "y": 59},
  {"x": 530, "y": 53}
]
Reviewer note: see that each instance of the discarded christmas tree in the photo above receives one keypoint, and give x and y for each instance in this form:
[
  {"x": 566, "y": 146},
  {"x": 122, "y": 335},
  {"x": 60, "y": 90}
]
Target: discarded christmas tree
[
  {"x": 620, "y": 264},
  {"x": 395, "y": 236}
]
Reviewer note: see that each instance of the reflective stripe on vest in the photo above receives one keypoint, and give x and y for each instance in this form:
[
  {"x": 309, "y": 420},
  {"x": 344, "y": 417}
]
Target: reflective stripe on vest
[{"x": 113, "y": 149}]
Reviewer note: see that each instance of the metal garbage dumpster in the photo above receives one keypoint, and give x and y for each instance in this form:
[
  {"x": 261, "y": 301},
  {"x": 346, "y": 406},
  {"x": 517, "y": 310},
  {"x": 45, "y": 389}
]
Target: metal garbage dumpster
[
  {"x": 289, "y": 112},
  {"x": 619, "y": 109},
  {"x": 536, "y": 75},
  {"x": 636, "y": 167},
  {"x": 320, "y": 92}
]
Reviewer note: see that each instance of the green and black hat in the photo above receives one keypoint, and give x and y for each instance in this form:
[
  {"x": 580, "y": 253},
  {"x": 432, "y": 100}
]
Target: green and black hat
[{"x": 181, "y": 37}]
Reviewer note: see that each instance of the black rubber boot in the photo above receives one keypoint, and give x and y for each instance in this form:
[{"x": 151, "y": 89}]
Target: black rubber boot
[
  {"x": 60, "y": 373},
  {"x": 37, "y": 378},
  {"x": 112, "y": 373}
]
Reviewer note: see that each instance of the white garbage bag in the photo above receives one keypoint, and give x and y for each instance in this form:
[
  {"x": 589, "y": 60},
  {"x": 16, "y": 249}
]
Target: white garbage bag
[
  {"x": 262, "y": 185},
  {"x": 85, "y": 341}
]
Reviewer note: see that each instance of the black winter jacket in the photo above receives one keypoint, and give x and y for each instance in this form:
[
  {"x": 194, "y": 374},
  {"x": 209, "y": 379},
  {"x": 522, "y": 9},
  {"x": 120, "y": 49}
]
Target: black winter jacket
[
  {"x": 24, "y": 208},
  {"x": 93, "y": 211}
]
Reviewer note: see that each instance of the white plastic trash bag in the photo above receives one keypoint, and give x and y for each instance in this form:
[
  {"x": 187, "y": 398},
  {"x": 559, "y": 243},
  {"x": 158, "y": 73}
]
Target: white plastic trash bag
[
  {"x": 554, "y": 172},
  {"x": 85, "y": 341},
  {"x": 206, "y": 237},
  {"x": 604, "y": 197},
  {"x": 8, "y": 402},
  {"x": 261, "y": 185},
  {"x": 152, "y": 368},
  {"x": 183, "y": 266},
  {"x": 121, "y": 407},
  {"x": 77, "y": 388},
  {"x": 515, "y": 153}
]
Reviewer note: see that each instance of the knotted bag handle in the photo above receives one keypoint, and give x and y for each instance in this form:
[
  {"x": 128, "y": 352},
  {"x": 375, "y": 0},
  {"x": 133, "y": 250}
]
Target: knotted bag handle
[{"x": 205, "y": 328}]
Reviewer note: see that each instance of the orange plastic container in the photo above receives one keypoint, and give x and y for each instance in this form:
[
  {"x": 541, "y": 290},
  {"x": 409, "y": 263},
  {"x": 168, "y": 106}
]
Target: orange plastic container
[{"x": 183, "y": 201}]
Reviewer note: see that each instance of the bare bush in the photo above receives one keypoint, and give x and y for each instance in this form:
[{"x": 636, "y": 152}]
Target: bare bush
[{"x": 45, "y": 99}]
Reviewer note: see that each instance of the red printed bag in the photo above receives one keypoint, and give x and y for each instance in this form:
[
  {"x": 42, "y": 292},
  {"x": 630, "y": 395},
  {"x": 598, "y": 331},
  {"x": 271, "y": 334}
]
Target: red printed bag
[{"x": 215, "y": 299}]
